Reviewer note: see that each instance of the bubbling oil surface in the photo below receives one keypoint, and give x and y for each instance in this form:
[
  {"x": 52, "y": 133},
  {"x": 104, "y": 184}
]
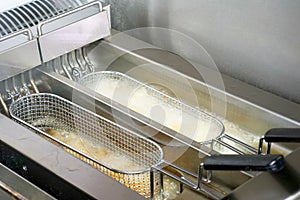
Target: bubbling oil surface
[
  {"x": 97, "y": 151},
  {"x": 188, "y": 124},
  {"x": 141, "y": 101}
]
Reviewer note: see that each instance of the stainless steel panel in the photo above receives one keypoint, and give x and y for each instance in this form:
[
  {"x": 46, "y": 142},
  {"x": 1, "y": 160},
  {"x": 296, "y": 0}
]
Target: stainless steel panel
[
  {"x": 72, "y": 16},
  {"x": 73, "y": 36},
  {"x": 19, "y": 59},
  {"x": 248, "y": 114},
  {"x": 73, "y": 29},
  {"x": 254, "y": 41}
]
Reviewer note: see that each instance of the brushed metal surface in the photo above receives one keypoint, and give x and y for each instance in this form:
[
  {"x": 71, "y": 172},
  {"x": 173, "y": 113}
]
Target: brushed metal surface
[
  {"x": 73, "y": 36},
  {"x": 243, "y": 101},
  {"x": 19, "y": 59},
  {"x": 254, "y": 41}
]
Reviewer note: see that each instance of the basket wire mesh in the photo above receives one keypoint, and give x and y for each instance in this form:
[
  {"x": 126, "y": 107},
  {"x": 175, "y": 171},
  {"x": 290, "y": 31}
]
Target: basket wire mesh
[
  {"x": 216, "y": 127},
  {"x": 48, "y": 111}
]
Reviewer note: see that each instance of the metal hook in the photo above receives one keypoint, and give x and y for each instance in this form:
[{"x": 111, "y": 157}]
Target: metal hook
[
  {"x": 87, "y": 60},
  {"x": 24, "y": 89},
  {"x": 201, "y": 177},
  {"x": 261, "y": 144},
  {"x": 80, "y": 61},
  {"x": 16, "y": 88},
  {"x": 36, "y": 90},
  {"x": 55, "y": 65},
  {"x": 4, "y": 106},
  {"x": 76, "y": 72},
  {"x": 62, "y": 63}
]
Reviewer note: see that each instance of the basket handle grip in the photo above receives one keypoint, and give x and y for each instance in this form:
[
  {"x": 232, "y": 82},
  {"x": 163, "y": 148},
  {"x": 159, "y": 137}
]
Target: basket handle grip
[
  {"x": 283, "y": 135},
  {"x": 279, "y": 135},
  {"x": 271, "y": 163}
]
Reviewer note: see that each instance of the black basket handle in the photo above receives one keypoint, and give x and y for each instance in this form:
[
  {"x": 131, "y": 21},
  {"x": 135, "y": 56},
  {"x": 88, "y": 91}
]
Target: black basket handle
[
  {"x": 271, "y": 163},
  {"x": 279, "y": 135}
]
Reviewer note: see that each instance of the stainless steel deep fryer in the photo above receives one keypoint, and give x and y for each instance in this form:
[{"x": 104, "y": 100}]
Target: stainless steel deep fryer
[
  {"x": 44, "y": 111},
  {"x": 66, "y": 37}
]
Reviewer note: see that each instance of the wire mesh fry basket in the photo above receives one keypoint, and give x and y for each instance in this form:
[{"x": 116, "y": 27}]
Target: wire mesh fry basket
[
  {"x": 44, "y": 112},
  {"x": 180, "y": 117}
]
